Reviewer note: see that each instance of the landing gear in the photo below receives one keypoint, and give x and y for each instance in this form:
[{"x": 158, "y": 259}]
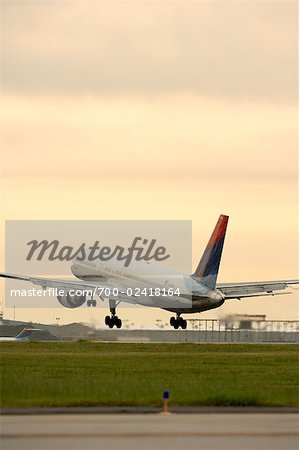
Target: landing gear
[
  {"x": 177, "y": 322},
  {"x": 113, "y": 320},
  {"x": 91, "y": 302}
]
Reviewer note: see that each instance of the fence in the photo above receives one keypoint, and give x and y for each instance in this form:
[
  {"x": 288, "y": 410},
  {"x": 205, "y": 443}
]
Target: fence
[{"x": 213, "y": 330}]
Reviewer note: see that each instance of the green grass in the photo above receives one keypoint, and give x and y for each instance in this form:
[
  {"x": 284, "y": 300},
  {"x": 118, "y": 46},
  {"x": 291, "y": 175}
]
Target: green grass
[{"x": 88, "y": 373}]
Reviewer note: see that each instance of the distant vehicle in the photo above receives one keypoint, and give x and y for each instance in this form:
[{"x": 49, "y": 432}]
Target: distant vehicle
[
  {"x": 24, "y": 335},
  {"x": 135, "y": 284}
]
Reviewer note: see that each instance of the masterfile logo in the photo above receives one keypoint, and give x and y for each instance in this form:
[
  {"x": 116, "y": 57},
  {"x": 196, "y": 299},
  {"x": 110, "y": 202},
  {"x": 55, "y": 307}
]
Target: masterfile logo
[
  {"x": 68, "y": 249},
  {"x": 140, "y": 250}
]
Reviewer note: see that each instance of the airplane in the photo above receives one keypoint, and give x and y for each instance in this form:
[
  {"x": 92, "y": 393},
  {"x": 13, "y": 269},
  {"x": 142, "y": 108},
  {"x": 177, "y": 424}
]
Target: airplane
[
  {"x": 24, "y": 335},
  {"x": 200, "y": 292}
]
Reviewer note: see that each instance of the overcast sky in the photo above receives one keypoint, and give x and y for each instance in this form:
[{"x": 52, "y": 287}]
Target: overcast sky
[
  {"x": 233, "y": 50},
  {"x": 158, "y": 110}
]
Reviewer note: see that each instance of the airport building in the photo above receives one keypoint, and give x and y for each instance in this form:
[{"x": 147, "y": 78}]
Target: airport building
[{"x": 230, "y": 329}]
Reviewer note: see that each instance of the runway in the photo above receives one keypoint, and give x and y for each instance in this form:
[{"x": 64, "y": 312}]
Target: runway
[{"x": 150, "y": 431}]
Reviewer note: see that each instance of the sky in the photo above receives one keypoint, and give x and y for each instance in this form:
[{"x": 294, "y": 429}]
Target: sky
[{"x": 156, "y": 110}]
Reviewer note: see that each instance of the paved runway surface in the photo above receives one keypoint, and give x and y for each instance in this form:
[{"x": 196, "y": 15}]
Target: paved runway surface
[{"x": 150, "y": 431}]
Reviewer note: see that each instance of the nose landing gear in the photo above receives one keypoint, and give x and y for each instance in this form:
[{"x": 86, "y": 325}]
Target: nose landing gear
[
  {"x": 91, "y": 302},
  {"x": 177, "y": 322}
]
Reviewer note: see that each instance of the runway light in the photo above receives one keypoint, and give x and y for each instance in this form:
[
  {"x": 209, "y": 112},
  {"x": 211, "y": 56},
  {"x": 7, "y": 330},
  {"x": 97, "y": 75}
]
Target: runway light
[{"x": 166, "y": 397}]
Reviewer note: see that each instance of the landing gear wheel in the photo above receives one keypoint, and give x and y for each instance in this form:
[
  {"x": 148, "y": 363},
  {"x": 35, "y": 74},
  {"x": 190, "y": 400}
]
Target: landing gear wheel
[
  {"x": 178, "y": 322},
  {"x": 113, "y": 320},
  {"x": 91, "y": 302},
  {"x": 183, "y": 324}
]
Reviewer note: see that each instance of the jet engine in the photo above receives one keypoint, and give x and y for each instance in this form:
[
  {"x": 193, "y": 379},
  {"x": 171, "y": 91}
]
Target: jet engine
[{"x": 71, "y": 301}]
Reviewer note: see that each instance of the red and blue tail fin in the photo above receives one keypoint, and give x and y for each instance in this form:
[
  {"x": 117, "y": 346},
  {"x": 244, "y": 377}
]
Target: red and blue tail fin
[
  {"x": 208, "y": 266},
  {"x": 25, "y": 333}
]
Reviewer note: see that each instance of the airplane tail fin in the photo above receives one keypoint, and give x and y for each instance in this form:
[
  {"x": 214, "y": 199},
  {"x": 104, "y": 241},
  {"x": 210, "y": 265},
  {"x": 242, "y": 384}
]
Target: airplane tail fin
[
  {"x": 208, "y": 266},
  {"x": 25, "y": 333}
]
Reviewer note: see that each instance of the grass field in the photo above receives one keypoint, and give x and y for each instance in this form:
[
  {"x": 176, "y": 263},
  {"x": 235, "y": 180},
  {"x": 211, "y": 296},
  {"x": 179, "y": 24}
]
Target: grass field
[{"x": 88, "y": 373}]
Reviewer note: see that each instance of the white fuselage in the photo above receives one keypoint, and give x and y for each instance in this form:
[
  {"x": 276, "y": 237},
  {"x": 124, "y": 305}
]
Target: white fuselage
[{"x": 130, "y": 282}]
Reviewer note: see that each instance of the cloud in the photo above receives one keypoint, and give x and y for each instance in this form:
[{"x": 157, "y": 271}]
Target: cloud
[
  {"x": 164, "y": 138},
  {"x": 232, "y": 49}
]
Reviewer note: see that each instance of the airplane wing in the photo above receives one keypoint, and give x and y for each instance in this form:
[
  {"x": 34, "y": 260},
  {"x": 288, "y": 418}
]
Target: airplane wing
[
  {"x": 229, "y": 290},
  {"x": 66, "y": 285},
  {"x": 254, "y": 288},
  {"x": 51, "y": 282}
]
